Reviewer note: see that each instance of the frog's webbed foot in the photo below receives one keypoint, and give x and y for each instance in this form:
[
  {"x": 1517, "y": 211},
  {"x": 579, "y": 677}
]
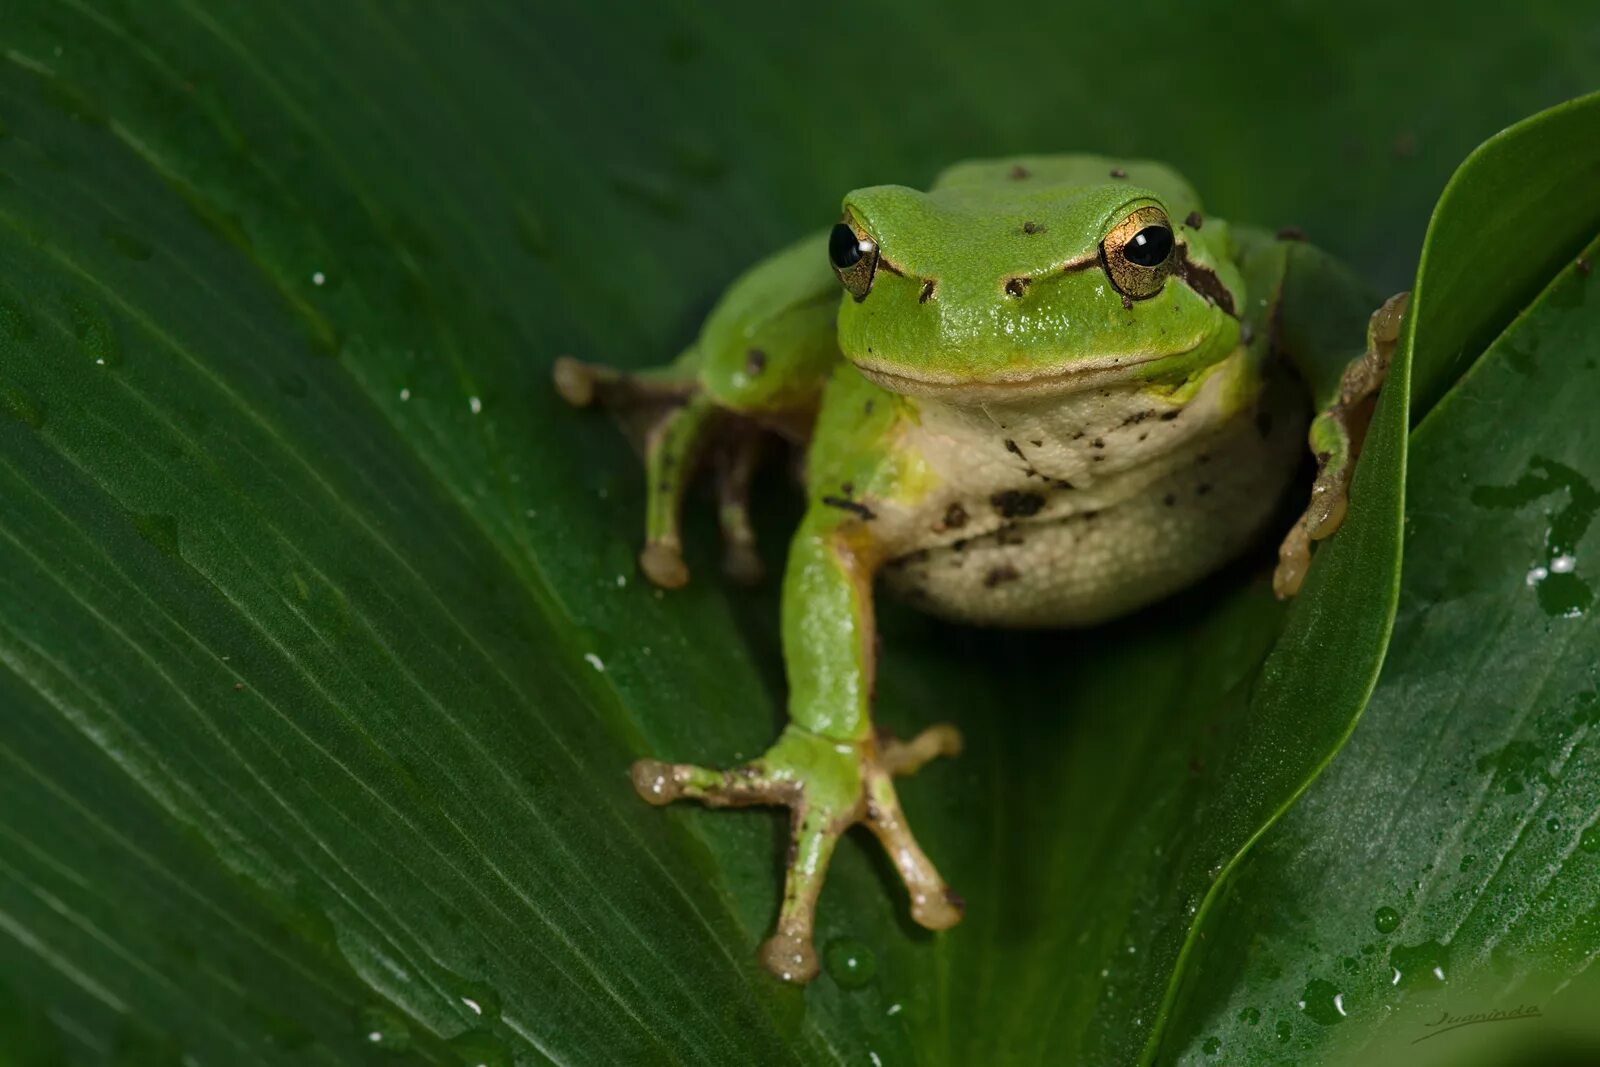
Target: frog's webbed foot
[
  {"x": 678, "y": 422},
  {"x": 1336, "y": 437},
  {"x": 828, "y": 786}
]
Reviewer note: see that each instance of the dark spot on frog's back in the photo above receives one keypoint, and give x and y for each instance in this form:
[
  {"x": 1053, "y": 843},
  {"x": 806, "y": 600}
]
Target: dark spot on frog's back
[
  {"x": 1118, "y": 172},
  {"x": 1019, "y": 172},
  {"x": 1291, "y": 233},
  {"x": 1017, "y": 286},
  {"x": 1015, "y": 503},
  {"x": 927, "y": 292},
  {"x": 755, "y": 361},
  {"x": 955, "y": 516},
  {"x": 1032, "y": 227},
  {"x": 1193, "y": 220},
  {"x": 1000, "y": 575}
]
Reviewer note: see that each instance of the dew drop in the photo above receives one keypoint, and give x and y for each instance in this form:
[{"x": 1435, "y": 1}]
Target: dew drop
[
  {"x": 1422, "y": 965},
  {"x": 594, "y": 661},
  {"x": 1386, "y": 919},
  {"x": 1323, "y": 1002},
  {"x": 94, "y": 332},
  {"x": 476, "y": 404},
  {"x": 850, "y": 962},
  {"x": 382, "y": 1028},
  {"x": 479, "y": 998}
]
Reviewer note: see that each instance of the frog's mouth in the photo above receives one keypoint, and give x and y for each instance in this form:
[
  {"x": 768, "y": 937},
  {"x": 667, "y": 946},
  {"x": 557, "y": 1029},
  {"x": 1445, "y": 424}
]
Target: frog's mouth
[{"x": 1081, "y": 375}]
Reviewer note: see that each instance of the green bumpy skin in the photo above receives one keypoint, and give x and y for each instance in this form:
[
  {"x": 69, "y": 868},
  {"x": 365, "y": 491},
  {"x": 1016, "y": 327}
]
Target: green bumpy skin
[{"x": 1046, "y": 392}]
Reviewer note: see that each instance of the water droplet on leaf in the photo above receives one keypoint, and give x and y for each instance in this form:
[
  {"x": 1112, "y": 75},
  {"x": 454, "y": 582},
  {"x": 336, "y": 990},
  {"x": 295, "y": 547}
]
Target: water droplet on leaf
[
  {"x": 382, "y": 1028},
  {"x": 1323, "y": 1002},
  {"x": 850, "y": 962}
]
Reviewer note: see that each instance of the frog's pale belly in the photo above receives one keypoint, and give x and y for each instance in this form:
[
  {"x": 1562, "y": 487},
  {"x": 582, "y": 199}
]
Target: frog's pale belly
[{"x": 1095, "y": 514}]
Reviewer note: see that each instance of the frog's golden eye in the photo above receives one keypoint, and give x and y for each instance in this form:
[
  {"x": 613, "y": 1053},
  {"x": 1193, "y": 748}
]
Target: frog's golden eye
[
  {"x": 1137, "y": 253},
  {"x": 854, "y": 256}
]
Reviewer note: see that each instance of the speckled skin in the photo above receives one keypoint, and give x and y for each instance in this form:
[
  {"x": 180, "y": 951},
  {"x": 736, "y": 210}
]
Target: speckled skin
[
  {"x": 1010, "y": 419},
  {"x": 1085, "y": 507}
]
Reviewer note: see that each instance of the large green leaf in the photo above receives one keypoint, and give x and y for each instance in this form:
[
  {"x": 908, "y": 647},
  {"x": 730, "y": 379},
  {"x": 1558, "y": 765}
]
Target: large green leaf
[
  {"x": 323, "y": 653},
  {"x": 1449, "y": 861}
]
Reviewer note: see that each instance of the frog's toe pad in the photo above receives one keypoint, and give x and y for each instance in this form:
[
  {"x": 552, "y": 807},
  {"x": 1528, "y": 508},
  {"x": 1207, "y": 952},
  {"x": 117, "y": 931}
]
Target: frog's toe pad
[
  {"x": 656, "y": 782},
  {"x": 940, "y": 910},
  {"x": 663, "y": 565},
  {"x": 1294, "y": 560},
  {"x": 574, "y": 380},
  {"x": 790, "y": 955}
]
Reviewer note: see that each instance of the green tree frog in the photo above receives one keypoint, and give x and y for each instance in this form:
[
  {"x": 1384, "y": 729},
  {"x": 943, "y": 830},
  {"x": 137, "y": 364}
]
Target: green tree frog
[{"x": 1046, "y": 392}]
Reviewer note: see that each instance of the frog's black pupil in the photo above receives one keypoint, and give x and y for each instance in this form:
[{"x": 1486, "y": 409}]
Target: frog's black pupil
[
  {"x": 1149, "y": 247},
  {"x": 844, "y": 249}
]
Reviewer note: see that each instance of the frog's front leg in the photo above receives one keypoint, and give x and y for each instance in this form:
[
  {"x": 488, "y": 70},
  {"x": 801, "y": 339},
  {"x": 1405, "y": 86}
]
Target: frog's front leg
[
  {"x": 829, "y": 766},
  {"x": 1336, "y": 435}
]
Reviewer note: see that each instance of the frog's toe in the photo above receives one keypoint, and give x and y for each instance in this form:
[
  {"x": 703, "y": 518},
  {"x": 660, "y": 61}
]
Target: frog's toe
[
  {"x": 790, "y": 954},
  {"x": 575, "y": 380},
  {"x": 661, "y": 783},
  {"x": 663, "y": 564},
  {"x": 933, "y": 904},
  {"x": 1294, "y": 559},
  {"x": 903, "y": 758}
]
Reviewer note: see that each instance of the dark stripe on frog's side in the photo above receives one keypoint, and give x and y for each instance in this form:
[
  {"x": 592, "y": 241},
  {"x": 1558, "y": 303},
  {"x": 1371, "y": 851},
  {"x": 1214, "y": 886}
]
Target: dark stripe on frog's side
[
  {"x": 861, "y": 511},
  {"x": 1203, "y": 280}
]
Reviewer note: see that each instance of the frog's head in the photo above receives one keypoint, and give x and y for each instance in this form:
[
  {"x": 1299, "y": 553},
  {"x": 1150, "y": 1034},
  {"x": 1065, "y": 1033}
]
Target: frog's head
[{"x": 1033, "y": 276}]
